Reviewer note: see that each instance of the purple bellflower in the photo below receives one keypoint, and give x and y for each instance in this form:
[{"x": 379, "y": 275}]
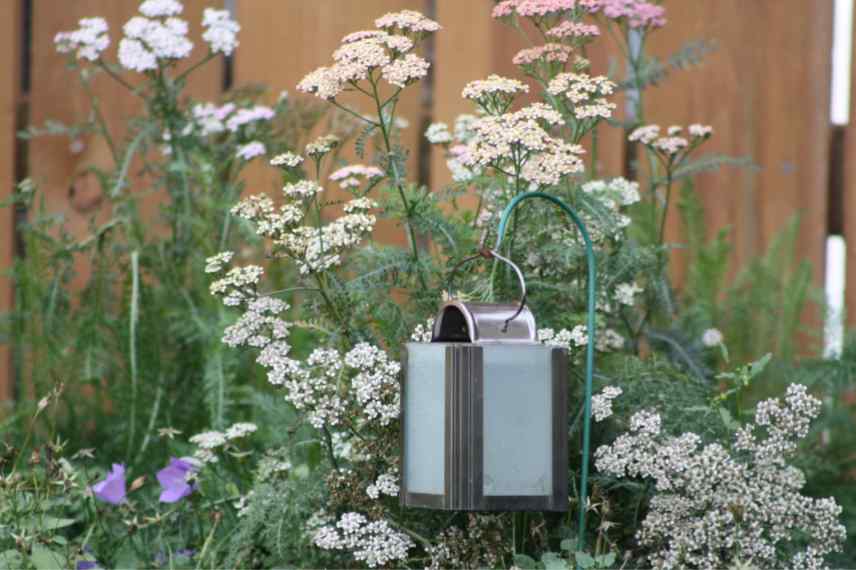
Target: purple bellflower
[
  {"x": 111, "y": 489},
  {"x": 173, "y": 479}
]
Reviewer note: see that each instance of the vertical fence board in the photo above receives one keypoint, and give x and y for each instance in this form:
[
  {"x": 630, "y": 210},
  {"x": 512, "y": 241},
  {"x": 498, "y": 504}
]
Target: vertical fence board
[
  {"x": 766, "y": 93},
  {"x": 58, "y": 95},
  {"x": 729, "y": 195},
  {"x": 848, "y": 202},
  {"x": 464, "y": 51},
  {"x": 10, "y": 21},
  {"x": 281, "y": 42}
]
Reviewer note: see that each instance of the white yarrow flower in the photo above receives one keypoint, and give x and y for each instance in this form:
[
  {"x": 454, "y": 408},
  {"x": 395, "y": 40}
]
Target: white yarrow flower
[
  {"x": 134, "y": 56},
  {"x": 601, "y": 404},
  {"x": 287, "y": 159},
  {"x": 87, "y": 42},
  {"x": 161, "y": 8},
  {"x": 438, "y": 133},
  {"x": 215, "y": 263},
  {"x": 712, "y": 337},
  {"x": 221, "y": 31},
  {"x": 625, "y": 293}
]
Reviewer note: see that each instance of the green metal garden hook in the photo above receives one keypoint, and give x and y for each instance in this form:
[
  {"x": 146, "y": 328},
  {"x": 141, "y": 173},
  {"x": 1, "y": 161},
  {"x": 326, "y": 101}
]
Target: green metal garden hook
[{"x": 592, "y": 279}]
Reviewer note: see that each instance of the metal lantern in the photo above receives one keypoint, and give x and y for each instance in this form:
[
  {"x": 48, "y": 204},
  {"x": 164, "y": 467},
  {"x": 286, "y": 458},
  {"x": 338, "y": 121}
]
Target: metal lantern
[{"x": 484, "y": 412}]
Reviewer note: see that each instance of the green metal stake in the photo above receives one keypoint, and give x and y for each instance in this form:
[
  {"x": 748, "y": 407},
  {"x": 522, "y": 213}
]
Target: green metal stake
[{"x": 592, "y": 279}]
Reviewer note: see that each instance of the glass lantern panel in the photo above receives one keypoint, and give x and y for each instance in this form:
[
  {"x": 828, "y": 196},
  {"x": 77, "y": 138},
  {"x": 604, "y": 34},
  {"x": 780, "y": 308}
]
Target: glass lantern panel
[
  {"x": 518, "y": 419},
  {"x": 424, "y": 418}
]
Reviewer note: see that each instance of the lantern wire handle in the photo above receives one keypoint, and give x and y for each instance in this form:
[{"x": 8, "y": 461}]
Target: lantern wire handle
[{"x": 592, "y": 278}]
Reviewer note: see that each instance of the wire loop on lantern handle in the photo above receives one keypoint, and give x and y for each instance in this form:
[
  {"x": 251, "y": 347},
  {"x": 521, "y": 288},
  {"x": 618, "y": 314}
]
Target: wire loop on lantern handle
[
  {"x": 592, "y": 278},
  {"x": 486, "y": 253}
]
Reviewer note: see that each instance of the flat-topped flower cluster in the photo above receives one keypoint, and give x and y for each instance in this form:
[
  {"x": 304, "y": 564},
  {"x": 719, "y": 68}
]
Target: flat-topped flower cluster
[
  {"x": 370, "y": 55},
  {"x": 714, "y": 506},
  {"x": 157, "y": 37},
  {"x": 635, "y": 13}
]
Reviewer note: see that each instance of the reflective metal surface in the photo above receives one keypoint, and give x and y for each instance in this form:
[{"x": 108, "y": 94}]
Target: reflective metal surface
[{"x": 459, "y": 321}]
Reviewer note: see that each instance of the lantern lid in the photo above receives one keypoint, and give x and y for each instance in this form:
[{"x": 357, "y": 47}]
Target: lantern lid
[{"x": 460, "y": 321}]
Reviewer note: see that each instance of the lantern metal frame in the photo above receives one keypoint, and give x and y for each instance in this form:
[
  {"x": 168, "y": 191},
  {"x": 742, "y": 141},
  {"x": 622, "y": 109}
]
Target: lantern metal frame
[{"x": 463, "y": 458}]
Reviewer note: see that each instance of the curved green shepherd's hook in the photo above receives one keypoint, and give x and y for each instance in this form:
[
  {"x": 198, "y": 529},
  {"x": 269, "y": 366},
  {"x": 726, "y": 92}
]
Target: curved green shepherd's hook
[{"x": 592, "y": 278}]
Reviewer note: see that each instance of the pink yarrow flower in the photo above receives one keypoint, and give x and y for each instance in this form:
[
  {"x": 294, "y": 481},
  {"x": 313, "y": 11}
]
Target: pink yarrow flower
[
  {"x": 637, "y": 13},
  {"x": 349, "y": 176},
  {"x": 532, "y": 8}
]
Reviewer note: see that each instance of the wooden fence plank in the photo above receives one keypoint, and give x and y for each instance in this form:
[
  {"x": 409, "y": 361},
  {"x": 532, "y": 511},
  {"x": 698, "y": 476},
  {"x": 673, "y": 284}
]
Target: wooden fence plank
[
  {"x": 766, "y": 93},
  {"x": 57, "y": 95},
  {"x": 848, "y": 184},
  {"x": 467, "y": 29},
  {"x": 10, "y": 24},
  {"x": 283, "y": 41}
]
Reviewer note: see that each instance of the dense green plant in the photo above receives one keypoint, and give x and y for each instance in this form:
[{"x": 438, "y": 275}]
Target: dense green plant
[
  {"x": 284, "y": 311},
  {"x": 143, "y": 332}
]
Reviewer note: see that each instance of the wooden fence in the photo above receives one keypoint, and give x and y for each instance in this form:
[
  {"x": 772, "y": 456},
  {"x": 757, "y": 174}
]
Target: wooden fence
[{"x": 765, "y": 90}]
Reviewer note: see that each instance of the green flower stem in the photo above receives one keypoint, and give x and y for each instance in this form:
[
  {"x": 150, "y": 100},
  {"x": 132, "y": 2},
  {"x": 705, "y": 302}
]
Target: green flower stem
[
  {"x": 118, "y": 78},
  {"x": 103, "y": 129},
  {"x": 328, "y": 442},
  {"x": 396, "y": 176},
  {"x": 662, "y": 233}
]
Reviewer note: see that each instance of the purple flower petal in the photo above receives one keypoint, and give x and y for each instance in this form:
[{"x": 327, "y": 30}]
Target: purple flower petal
[
  {"x": 173, "y": 479},
  {"x": 111, "y": 489},
  {"x": 86, "y": 565}
]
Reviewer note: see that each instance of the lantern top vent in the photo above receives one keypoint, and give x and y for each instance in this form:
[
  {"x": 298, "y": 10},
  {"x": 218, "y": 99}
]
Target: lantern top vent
[{"x": 464, "y": 322}]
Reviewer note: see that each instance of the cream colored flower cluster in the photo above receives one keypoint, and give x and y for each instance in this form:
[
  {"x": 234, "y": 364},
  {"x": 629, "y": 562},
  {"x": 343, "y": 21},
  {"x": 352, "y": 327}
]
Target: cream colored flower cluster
[
  {"x": 319, "y": 250},
  {"x": 614, "y": 193},
  {"x": 302, "y": 190},
  {"x": 573, "y": 340},
  {"x": 586, "y": 94},
  {"x": 323, "y": 385},
  {"x": 714, "y": 506},
  {"x": 321, "y": 146},
  {"x": 518, "y": 143},
  {"x": 375, "y": 543},
  {"x": 238, "y": 286},
  {"x": 209, "y": 443},
  {"x": 548, "y": 53},
  {"x": 494, "y": 86},
  {"x": 407, "y": 22},
  {"x": 374, "y": 54},
  {"x": 673, "y": 143},
  {"x": 287, "y": 160},
  {"x": 495, "y": 94},
  {"x": 601, "y": 404},
  {"x": 573, "y": 30}
]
